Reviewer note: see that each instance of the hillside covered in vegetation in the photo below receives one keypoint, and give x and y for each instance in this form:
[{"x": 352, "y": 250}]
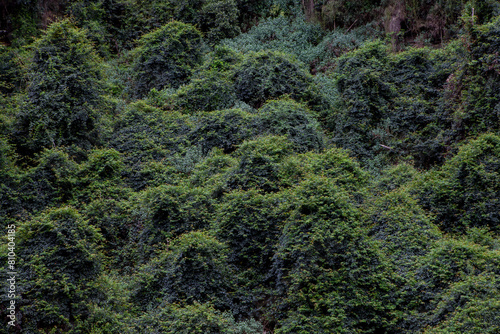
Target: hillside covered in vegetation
[{"x": 250, "y": 167}]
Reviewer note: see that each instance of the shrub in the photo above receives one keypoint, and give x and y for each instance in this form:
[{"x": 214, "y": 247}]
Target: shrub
[
  {"x": 103, "y": 164},
  {"x": 10, "y": 203},
  {"x": 210, "y": 172},
  {"x": 175, "y": 210},
  {"x": 193, "y": 269},
  {"x": 112, "y": 216},
  {"x": 330, "y": 277},
  {"x": 465, "y": 192},
  {"x": 249, "y": 223},
  {"x": 6, "y": 156},
  {"x": 146, "y": 136},
  {"x": 470, "y": 306},
  {"x": 419, "y": 122},
  {"x": 259, "y": 164},
  {"x": 207, "y": 92},
  {"x": 404, "y": 230},
  {"x": 365, "y": 96},
  {"x": 63, "y": 91},
  {"x": 224, "y": 129},
  {"x": 51, "y": 182},
  {"x": 94, "y": 17},
  {"x": 287, "y": 117},
  {"x": 166, "y": 57},
  {"x": 394, "y": 177},
  {"x": 59, "y": 260},
  {"x": 196, "y": 318},
  {"x": 448, "y": 281},
  {"x": 333, "y": 163},
  {"x": 299, "y": 37},
  {"x": 281, "y": 34},
  {"x": 265, "y": 75},
  {"x": 219, "y": 19},
  {"x": 11, "y": 75},
  {"x": 211, "y": 86},
  {"x": 100, "y": 178},
  {"x": 394, "y": 106},
  {"x": 145, "y": 133},
  {"x": 132, "y": 19},
  {"x": 221, "y": 59},
  {"x": 480, "y": 80}
]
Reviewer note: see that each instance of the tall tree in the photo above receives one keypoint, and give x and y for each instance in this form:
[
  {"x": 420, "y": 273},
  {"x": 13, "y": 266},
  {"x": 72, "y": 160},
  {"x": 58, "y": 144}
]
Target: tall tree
[{"x": 62, "y": 93}]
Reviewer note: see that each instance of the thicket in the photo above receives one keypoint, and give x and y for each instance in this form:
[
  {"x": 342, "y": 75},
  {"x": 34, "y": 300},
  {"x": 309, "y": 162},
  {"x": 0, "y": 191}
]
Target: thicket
[
  {"x": 165, "y": 57},
  {"x": 233, "y": 166},
  {"x": 62, "y": 92}
]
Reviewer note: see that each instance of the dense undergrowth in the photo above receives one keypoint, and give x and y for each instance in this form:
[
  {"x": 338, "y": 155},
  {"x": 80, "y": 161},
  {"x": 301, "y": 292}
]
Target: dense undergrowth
[{"x": 233, "y": 166}]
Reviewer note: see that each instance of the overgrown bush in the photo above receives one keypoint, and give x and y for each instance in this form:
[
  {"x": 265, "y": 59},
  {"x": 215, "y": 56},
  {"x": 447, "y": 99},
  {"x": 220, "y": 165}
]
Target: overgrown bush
[
  {"x": 265, "y": 75},
  {"x": 470, "y": 306},
  {"x": 449, "y": 279},
  {"x": 480, "y": 107},
  {"x": 208, "y": 92},
  {"x": 112, "y": 215},
  {"x": 465, "y": 192},
  {"x": 11, "y": 73},
  {"x": 196, "y": 318},
  {"x": 218, "y": 19},
  {"x": 51, "y": 182},
  {"x": 146, "y": 136},
  {"x": 63, "y": 91},
  {"x": 59, "y": 262},
  {"x": 104, "y": 164},
  {"x": 395, "y": 106},
  {"x": 330, "y": 276},
  {"x": 404, "y": 230},
  {"x": 333, "y": 163},
  {"x": 259, "y": 164},
  {"x": 10, "y": 203},
  {"x": 296, "y": 37},
  {"x": 210, "y": 172},
  {"x": 194, "y": 269},
  {"x": 249, "y": 223},
  {"x": 365, "y": 96},
  {"x": 166, "y": 57},
  {"x": 223, "y": 129},
  {"x": 174, "y": 210},
  {"x": 287, "y": 117}
]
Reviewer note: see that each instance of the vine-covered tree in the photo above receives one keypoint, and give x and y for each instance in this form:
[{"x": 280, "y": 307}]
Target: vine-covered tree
[
  {"x": 63, "y": 91},
  {"x": 166, "y": 57},
  {"x": 59, "y": 261},
  {"x": 194, "y": 269}
]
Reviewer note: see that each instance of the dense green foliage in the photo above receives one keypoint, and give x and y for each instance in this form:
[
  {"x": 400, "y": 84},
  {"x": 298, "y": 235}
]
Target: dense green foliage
[
  {"x": 249, "y": 167},
  {"x": 59, "y": 265},
  {"x": 62, "y": 92},
  {"x": 166, "y": 57},
  {"x": 465, "y": 192}
]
